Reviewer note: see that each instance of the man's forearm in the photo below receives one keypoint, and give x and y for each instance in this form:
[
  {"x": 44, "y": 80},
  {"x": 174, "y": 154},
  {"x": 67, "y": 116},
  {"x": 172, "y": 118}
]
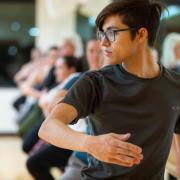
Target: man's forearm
[
  {"x": 60, "y": 134},
  {"x": 104, "y": 147},
  {"x": 176, "y": 152},
  {"x": 110, "y": 148},
  {"x": 176, "y": 141}
]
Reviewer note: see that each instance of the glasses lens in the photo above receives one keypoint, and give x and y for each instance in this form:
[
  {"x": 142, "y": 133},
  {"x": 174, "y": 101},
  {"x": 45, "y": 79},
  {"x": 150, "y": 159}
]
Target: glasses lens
[
  {"x": 110, "y": 35},
  {"x": 100, "y": 35}
]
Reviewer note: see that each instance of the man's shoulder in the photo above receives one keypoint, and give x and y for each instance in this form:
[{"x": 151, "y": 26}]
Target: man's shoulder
[
  {"x": 171, "y": 75},
  {"x": 104, "y": 71}
]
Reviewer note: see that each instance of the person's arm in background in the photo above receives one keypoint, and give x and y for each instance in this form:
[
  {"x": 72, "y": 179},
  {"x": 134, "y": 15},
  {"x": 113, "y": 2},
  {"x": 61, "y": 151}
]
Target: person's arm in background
[
  {"x": 58, "y": 97},
  {"x": 47, "y": 105},
  {"x": 23, "y": 73},
  {"x": 176, "y": 146},
  {"x": 30, "y": 91},
  {"x": 60, "y": 93},
  {"x": 176, "y": 152}
]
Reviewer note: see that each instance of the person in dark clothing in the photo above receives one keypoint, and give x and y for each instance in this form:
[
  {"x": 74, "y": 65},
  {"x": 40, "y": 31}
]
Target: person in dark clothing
[
  {"x": 31, "y": 138},
  {"x": 131, "y": 114},
  {"x": 44, "y": 156},
  {"x": 47, "y": 156},
  {"x": 26, "y": 73}
]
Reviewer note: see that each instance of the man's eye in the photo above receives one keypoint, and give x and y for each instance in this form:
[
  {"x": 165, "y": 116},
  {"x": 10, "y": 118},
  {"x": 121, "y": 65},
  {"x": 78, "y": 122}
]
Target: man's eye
[{"x": 110, "y": 32}]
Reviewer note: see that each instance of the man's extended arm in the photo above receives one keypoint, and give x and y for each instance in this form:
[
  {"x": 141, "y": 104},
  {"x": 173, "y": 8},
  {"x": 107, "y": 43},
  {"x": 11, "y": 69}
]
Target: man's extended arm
[
  {"x": 110, "y": 148},
  {"x": 176, "y": 152}
]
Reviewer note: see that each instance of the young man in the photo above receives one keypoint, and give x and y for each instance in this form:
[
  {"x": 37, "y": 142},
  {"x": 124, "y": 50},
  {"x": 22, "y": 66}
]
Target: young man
[{"x": 131, "y": 113}]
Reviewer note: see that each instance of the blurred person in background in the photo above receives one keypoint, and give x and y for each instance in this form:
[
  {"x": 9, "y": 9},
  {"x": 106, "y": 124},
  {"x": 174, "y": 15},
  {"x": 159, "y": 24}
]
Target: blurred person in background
[
  {"x": 44, "y": 156},
  {"x": 25, "y": 71},
  {"x": 65, "y": 73},
  {"x": 171, "y": 52},
  {"x": 94, "y": 58},
  {"x": 41, "y": 72},
  {"x": 67, "y": 48},
  {"x": 94, "y": 54},
  {"x": 78, "y": 160},
  {"x": 29, "y": 67},
  {"x": 31, "y": 138},
  {"x": 40, "y": 81},
  {"x": 29, "y": 117}
]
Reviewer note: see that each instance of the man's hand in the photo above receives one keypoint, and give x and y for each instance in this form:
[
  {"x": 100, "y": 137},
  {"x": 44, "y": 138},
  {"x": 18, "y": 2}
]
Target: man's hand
[
  {"x": 110, "y": 148},
  {"x": 113, "y": 148},
  {"x": 176, "y": 151}
]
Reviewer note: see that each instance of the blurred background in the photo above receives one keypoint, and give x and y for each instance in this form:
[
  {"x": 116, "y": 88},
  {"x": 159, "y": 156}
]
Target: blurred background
[{"x": 41, "y": 24}]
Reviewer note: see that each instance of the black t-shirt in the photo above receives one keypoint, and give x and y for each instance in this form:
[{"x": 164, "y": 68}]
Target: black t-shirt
[{"x": 116, "y": 101}]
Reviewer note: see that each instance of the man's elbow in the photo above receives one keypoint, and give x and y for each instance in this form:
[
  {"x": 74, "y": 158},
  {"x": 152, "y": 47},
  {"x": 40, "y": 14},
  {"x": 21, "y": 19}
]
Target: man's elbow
[{"x": 43, "y": 131}]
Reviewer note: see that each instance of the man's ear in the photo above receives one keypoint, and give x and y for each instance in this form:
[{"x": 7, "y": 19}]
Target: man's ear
[{"x": 142, "y": 35}]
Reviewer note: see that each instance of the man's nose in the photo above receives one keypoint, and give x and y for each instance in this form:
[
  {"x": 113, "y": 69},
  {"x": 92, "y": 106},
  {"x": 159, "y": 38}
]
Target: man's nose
[{"x": 104, "y": 41}]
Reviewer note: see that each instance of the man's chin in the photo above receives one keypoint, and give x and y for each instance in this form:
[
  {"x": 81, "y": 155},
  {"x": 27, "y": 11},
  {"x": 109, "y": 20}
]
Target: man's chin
[{"x": 110, "y": 61}]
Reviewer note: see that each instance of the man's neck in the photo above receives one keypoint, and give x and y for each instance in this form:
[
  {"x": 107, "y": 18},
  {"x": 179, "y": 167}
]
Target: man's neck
[
  {"x": 93, "y": 67},
  {"x": 143, "y": 65}
]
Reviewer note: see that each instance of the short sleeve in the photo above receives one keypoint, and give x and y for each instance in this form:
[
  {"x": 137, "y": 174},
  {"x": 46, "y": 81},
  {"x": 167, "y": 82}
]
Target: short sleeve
[
  {"x": 69, "y": 84},
  {"x": 84, "y": 95},
  {"x": 177, "y": 127}
]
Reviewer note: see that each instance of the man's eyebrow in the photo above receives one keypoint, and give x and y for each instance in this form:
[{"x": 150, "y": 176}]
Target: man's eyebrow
[{"x": 111, "y": 27}]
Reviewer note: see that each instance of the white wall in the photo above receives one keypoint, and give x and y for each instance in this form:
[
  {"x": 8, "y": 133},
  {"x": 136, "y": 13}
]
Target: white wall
[
  {"x": 53, "y": 28},
  {"x": 56, "y": 19},
  {"x": 7, "y": 112}
]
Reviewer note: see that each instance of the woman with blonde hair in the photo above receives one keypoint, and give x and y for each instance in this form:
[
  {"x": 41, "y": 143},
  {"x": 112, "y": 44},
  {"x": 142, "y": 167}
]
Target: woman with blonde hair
[{"x": 171, "y": 52}]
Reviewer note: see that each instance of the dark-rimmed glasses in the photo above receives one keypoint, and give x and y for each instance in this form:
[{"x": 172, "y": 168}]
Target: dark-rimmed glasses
[{"x": 111, "y": 34}]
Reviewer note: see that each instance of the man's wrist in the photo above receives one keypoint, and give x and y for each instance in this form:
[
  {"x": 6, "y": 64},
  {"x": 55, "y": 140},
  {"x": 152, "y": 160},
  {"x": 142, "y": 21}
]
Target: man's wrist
[{"x": 86, "y": 144}]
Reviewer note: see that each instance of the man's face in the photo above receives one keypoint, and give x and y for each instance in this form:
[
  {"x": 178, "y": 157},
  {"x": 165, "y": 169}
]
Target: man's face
[
  {"x": 62, "y": 71},
  {"x": 123, "y": 48},
  {"x": 52, "y": 56},
  {"x": 177, "y": 51},
  {"x": 94, "y": 55},
  {"x": 66, "y": 49}
]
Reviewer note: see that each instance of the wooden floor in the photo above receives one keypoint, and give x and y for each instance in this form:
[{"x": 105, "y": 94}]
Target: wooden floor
[{"x": 12, "y": 161}]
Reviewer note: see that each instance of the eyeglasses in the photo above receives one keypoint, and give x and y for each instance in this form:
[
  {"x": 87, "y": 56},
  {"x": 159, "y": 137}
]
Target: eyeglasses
[{"x": 111, "y": 34}]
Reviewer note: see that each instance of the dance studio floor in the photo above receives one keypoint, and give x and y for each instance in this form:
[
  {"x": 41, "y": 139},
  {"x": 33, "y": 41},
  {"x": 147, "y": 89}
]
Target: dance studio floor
[{"x": 12, "y": 159}]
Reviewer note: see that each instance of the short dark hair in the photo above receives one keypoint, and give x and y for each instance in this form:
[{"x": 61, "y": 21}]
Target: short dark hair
[
  {"x": 53, "y": 48},
  {"x": 136, "y": 14},
  {"x": 92, "y": 38},
  {"x": 73, "y": 62}
]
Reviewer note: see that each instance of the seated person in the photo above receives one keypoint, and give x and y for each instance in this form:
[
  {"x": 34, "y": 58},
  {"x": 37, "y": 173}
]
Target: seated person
[{"x": 44, "y": 157}]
